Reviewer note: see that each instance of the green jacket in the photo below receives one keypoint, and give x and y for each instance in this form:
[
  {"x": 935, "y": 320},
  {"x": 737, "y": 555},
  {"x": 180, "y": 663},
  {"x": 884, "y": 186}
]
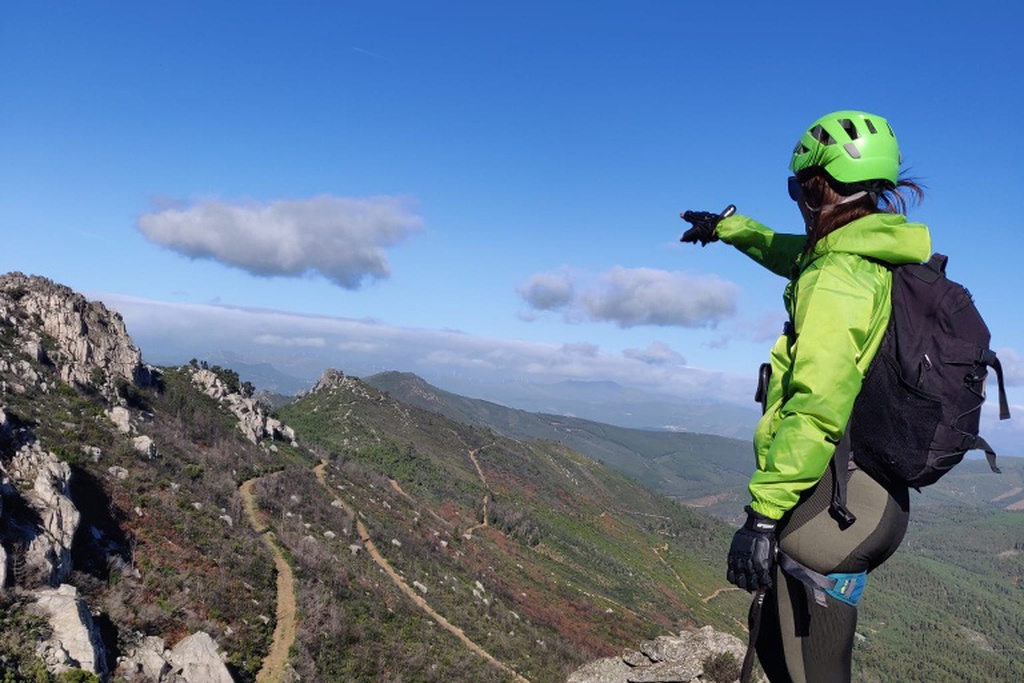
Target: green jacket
[{"x": 838, "y": 303}]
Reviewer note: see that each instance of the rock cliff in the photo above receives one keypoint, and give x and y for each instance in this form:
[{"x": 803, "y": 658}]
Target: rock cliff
[
  {"x": 85, "y": 342},
  {"x": 56, "y": 348},
  {"x": 253, "y": 420}
]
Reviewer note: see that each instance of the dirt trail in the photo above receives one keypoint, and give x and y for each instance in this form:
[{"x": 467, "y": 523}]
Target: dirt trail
[
  {"x": 417, "y": 599},
  {"x": 483, "y": 480},
  {"x": 476, "y": 463},
  {"x": 669, "y": 567},
  {"x": 273, "y": 669},
  {"x": 719, "y": 592},
  {"x": 398, "y": 489}
]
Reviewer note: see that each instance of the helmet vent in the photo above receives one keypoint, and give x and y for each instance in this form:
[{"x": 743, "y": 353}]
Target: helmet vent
[
  {"x": 850, "y": 129},
  {"x": 822, "y": 136},
  {"x": 871, "y": 126},
  {"x": 852, "y": 150}
]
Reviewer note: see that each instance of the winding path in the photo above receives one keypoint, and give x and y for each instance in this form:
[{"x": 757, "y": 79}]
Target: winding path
[
  {"x": 417, "y": 599},
  {"x": 483, "y": 480},
  {"x": 273, "y": 669}
]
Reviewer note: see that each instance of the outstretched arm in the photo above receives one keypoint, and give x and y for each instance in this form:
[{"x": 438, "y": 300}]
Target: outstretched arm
[{"x": 778, "y": 252}]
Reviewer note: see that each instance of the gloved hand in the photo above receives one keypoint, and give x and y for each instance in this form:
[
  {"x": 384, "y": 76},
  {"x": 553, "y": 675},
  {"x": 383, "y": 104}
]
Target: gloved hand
[
  {"x": 752, "y": 553},
  {"x": 704, "y": 224}
]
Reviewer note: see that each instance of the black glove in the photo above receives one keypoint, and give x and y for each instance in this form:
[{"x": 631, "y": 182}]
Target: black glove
[
  {"x": 752, "y": 553},
  {"x": 704, "y": 224}
]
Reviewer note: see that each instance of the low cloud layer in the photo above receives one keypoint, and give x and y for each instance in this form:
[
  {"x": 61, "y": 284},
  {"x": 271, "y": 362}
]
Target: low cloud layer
[
  {"x": 304, "y": 346},
  {"x": 631, "y": 297},
  {"x": 343, "y": 239}
]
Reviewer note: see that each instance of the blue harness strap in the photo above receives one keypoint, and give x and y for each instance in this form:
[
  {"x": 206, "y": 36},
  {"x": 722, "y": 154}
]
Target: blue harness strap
[
  {"x": 848, "y": 586},
  {"x": 843, "y": 587}
]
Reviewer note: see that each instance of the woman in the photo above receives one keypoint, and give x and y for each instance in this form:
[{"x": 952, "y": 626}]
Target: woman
[{"x": 846, "y": 184}]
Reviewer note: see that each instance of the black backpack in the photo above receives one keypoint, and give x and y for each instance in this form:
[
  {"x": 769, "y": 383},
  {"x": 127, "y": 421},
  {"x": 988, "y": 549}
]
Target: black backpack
[{"x": 919, "y": 408}]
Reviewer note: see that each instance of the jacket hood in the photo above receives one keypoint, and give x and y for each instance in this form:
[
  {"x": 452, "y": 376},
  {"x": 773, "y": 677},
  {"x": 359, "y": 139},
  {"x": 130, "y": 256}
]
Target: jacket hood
[{"x": 886, "y": 237}]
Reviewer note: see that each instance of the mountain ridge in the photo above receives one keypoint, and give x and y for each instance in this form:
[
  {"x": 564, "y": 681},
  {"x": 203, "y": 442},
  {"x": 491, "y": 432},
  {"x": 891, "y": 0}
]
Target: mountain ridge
[{"x": 671, "y": 463}]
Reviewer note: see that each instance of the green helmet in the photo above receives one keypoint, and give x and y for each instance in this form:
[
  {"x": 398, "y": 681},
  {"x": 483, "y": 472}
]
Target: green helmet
[{"x": 851, "y": 146}]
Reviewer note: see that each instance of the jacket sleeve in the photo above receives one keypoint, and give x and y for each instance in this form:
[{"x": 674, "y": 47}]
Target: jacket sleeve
[
  {"x": 777, "y": 252},
  {"x": 837, "y": 319}
]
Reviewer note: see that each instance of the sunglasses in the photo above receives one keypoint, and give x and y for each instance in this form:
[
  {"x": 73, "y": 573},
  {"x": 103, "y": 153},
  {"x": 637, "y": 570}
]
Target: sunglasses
[{"x": 793, "y": 185}]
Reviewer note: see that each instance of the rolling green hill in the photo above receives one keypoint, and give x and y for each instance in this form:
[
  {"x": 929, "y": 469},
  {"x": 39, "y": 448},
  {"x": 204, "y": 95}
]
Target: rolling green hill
[
  {"x": 586, "y": 558},
  {"x": 701, "y": 470}
]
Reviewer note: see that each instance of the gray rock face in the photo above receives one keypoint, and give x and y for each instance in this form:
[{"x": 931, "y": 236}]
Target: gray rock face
[
  {"x": 666, "y": 659},
  {"x": 44, "y": 483},
  {"x": 329, "y": 379},
  {"x": 196, "y": 660},
  {"x": 91, "y": 346},
  {"x": 253, "y": 420},
  {"x": 53, "y": 336},
  {"x": 75, "y": 642},
  {"x": 145, "y": 661}
]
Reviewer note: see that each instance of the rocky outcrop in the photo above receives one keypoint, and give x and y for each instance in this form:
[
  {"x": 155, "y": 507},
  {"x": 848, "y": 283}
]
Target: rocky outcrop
[
  {"x": 330, "y": 379},
  {"x": 87, "y": 344},
  {"x": 43, "y": 482},
  {"x": 195, "y": 659},
  {"x": 56, "y": 349},
  {"x": 333, "y": 379},
  {"x": 145, "y": 661},
  {"x": 253, "y": 420},
  {"x": 702, "y": 655},
  {"x": 75, "y": 642}
]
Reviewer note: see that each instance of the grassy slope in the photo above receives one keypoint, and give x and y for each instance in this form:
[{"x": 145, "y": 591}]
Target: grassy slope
[
  {"x": 699, "y": 469},
  {"x": 947, "y": 607},
  {"x": 587, "y": 560}
]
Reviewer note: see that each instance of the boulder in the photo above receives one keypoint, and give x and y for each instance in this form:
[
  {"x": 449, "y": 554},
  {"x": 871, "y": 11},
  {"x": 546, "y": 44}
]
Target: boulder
[
  {"x": 92, "y": 346},
  {"x": 144, "y": 661},
  {"x": 666, "y": 659},
  {"x": 75, "y": 642},
  {"x": 120, "y": 416},
  {"x": 197, "y": 660},
  {"x": 253, "y": 420},
  {"x": 48, "y": 553}
]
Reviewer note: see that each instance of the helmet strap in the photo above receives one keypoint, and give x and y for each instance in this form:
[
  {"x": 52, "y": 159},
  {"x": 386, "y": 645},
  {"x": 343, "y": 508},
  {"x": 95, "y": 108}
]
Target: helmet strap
[{"x": 846, "y": 200}]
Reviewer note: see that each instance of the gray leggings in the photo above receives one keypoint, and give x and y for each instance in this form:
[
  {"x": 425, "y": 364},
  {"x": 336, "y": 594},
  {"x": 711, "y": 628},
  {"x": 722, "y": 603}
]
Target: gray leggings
[{"x": 799, "y": 641}]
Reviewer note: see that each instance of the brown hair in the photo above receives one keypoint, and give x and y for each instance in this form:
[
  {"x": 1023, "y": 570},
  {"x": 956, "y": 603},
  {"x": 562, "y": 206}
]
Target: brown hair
[{"x": 819, "y": 189}]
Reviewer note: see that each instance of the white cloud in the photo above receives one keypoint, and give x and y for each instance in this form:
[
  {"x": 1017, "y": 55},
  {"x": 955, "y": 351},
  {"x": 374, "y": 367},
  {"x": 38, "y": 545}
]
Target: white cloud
[
  {"x": 277, "y": 340},
  {"x": 657, "y": 353},
  {"x": 548, "y": 291},
  {"x": 173, "y": 333},
  {"x": 581, "y": 349},
  {"x": 343, "y": 239},
  {"x": 630, "y": 297}
]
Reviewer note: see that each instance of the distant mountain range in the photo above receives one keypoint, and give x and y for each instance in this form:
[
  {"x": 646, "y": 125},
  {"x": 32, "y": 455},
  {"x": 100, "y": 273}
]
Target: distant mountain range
[{"x": 598, "y": 401}]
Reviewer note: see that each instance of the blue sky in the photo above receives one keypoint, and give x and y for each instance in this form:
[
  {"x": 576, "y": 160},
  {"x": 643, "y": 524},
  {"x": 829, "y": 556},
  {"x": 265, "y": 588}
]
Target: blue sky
[{"x": 481, "y": 191}]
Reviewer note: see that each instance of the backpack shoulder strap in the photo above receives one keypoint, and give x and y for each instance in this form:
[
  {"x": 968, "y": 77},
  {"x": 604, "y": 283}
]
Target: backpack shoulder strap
[
  {"x": 840, "y": 464},
  {"x": 938, "y": 262},
  {"x": 989, "y": 358}
]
